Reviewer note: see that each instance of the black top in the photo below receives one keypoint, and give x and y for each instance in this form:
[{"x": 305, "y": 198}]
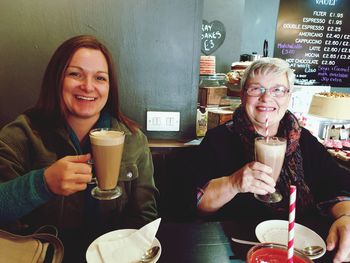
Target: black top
[{"x": 221, "y": 153}]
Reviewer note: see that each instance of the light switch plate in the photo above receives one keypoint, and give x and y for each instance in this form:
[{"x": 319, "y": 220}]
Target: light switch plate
[{"x": 163, "y": 121}]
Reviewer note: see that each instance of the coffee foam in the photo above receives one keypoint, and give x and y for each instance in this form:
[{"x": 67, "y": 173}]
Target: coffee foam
[
  {"x": 271, "y": 141},
  {"x": 107, "y": 138}
]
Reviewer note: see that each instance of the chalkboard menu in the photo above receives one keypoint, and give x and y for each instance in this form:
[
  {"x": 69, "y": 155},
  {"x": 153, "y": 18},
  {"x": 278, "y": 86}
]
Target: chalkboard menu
[
  {"x": 313, "y": 36},
  {"x": 213, "y": 35}
]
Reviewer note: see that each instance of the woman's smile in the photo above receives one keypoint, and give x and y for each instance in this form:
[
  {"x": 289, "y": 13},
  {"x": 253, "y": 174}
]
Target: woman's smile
[
  {"x": 265, "y": 108},
  {"x": 85, "y": 98}
]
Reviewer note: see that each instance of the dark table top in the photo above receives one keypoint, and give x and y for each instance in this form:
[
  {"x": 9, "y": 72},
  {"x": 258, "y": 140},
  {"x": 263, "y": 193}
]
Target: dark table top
[
  {"x": 200, "y": 242},
  {"x": 210, "y": 241}
]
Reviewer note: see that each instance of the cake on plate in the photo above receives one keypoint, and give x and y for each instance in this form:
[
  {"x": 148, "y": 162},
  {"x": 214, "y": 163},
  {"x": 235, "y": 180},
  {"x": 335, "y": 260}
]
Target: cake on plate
[{"x": 332, "y": 105}]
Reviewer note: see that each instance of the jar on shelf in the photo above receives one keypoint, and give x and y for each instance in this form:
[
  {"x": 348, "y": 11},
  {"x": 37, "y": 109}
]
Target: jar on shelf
[{"x": 211, "y": 89}]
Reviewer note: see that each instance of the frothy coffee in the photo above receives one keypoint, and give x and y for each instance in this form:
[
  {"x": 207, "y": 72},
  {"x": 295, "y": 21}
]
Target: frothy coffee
[
  {"x": 271, "y": 152},
  {"x": 107, "y": 149}
]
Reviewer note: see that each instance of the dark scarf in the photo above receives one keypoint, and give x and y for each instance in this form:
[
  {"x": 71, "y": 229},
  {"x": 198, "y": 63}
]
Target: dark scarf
[{"x": 292, "y": 171}]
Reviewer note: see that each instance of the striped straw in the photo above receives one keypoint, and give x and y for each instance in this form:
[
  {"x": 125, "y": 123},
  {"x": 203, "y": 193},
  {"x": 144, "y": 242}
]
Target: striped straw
[
  {"x": 267, "y": 128},
  {"x": 292, "y": 198}
]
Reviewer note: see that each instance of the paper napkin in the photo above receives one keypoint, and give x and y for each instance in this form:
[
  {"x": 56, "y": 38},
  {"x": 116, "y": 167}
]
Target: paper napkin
[{"x": 129, "y": 249}]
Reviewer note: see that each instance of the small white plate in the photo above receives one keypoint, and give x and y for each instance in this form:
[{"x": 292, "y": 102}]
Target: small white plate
[
  {"x": 276, "y": 231},
  {"x": 93, "y": 255}
]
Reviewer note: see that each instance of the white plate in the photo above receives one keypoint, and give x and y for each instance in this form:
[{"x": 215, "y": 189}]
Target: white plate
[
  {"x": 93, "y": 255},
  {"x": 276, "y": 231}
]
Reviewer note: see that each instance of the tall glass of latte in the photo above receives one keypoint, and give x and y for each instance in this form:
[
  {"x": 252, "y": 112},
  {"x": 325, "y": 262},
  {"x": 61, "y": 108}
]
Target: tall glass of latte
[
  {"x": 271, "y": 151},
  {"x": 107, "y": 150}
]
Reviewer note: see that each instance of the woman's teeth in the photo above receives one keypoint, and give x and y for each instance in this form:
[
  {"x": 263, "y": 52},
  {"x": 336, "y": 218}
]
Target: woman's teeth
[
  {"x": 266, "y": 108},
  {"x": 84, "y": 98}
]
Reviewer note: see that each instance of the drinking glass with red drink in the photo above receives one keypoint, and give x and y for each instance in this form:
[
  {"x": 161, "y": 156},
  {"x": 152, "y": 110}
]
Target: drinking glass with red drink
[{"x": 274, "y": 253}]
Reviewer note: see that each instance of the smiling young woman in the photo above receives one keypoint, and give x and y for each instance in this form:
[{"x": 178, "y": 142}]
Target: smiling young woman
[
  {"x": 45, "y": 168},
  {"x": 49, "y": 103}
]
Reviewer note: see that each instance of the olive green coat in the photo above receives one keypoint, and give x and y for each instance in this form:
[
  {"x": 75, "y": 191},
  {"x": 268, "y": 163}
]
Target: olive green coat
[{"x": 27, "y": 147}]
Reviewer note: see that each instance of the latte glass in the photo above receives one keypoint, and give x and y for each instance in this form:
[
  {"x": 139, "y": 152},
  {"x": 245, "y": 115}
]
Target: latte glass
[
  {"x": 107, "y": 149},
  {"x": 271, "y": 151}
]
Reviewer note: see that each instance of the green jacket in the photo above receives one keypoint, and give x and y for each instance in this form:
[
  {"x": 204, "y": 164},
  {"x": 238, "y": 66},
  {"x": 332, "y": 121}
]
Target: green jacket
[{"x": 28, "y": 146}]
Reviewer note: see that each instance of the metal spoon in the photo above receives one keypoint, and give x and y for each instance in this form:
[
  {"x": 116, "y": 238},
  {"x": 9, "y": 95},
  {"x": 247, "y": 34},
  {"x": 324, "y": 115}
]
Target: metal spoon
[
  {"x": 310, "y": 251},
  {"x": 246, "y": 242},
  {"x": 150, "y": 254}
]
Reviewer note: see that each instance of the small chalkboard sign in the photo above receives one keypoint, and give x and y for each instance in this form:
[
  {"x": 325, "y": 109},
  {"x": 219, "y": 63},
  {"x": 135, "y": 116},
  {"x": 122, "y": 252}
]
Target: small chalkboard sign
[{"x": 213, "y": 35}]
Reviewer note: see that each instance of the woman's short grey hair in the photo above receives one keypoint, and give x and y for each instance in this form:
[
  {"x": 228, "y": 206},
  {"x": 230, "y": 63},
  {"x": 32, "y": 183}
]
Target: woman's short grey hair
[{"x": 265, "y": 66}]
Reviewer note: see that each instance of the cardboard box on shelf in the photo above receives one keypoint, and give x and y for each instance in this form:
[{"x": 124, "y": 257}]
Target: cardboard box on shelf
[
  {"x": 211, "y": 95},
  {"x": 201, "y": 121},
  {"x": 218, "y": 116}
]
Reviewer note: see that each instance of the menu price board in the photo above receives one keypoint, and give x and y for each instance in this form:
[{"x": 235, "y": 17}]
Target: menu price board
[{"x": 313, "y": 36}]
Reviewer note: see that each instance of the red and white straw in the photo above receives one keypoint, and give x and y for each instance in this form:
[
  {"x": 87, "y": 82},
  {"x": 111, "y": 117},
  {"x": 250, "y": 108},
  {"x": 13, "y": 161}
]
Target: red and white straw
[
  {"x": 267, "y": 127},
  {"x": 292, "y": 198}
]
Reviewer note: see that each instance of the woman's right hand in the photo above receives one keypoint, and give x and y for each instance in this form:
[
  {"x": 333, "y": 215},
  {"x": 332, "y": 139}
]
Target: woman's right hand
[
  {"x": 255, "y": 178},
  {"x": 69, "y": 175}
]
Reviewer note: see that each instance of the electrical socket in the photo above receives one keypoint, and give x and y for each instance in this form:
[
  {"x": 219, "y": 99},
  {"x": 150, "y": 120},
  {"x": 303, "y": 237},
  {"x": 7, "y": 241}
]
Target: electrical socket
[{"x": 163, "y": 121}]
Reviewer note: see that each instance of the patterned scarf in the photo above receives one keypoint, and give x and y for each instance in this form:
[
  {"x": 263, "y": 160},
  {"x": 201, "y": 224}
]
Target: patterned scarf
[{"x": 292, "y": 171}]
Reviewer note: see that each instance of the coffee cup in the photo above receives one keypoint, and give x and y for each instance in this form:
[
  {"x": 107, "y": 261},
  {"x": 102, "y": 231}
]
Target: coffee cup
[{"x": 107, "y": 149}]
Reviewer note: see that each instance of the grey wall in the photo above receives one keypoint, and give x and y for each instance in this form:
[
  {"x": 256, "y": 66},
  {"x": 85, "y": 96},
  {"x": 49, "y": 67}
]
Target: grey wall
[
  {"x": 248, "y": 23},
  {"x": 156, "y": 45},
  {"x": 230, "y": 13},
  {"x": 259, "y": 23}
]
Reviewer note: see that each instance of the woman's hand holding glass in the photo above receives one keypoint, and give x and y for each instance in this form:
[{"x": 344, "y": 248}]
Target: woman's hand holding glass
[
  {"x": 255, "y": 178},
  {"x": 69, "y": 175}
]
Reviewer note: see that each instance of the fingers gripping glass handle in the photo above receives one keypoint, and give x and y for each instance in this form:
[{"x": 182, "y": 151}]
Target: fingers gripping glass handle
[{"x": 93, "y": 179}]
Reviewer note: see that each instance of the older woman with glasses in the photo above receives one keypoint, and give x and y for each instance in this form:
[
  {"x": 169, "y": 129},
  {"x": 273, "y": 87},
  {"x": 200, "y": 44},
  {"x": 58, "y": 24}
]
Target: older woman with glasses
[{"x": 228, "y": 174}]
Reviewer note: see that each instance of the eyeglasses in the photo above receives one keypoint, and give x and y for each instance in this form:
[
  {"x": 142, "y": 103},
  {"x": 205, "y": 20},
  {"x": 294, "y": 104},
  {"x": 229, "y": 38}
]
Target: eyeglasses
[{"x": 257, "y": 91}]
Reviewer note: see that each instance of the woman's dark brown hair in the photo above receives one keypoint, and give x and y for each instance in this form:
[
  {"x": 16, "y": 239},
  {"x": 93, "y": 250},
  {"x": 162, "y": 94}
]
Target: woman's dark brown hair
[{"x": 50, "y": 98}]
